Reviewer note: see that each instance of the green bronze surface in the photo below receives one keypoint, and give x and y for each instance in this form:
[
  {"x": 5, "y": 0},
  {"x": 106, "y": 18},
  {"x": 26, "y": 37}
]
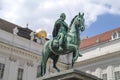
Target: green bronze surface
[{"x": 65, "y": 40}]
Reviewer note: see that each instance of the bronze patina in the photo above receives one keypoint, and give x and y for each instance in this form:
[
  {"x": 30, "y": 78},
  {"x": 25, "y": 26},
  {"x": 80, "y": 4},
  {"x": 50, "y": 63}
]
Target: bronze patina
[{"x": 65, "y": 40}]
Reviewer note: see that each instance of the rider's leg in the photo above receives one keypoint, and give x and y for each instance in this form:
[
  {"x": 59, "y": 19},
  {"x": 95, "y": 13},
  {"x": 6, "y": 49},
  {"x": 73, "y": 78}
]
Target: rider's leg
[{"x": 61, "y": 41}]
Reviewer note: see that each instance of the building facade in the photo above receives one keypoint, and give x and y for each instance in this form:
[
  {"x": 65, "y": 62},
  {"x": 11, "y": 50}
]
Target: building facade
[
  {"x": 20, "y": 52},
  {"x": 101, "y": 55}
]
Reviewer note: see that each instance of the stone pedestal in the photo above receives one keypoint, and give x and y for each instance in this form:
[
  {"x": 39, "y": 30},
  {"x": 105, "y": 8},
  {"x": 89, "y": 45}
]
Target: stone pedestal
[{"x": 72, "y": 74}]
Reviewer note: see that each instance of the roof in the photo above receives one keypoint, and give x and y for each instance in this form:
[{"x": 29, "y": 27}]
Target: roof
[
  {"x": 7, "y": 26},
  {"x": 24, "y": 32},
  {"x": 106, "y": 36}
]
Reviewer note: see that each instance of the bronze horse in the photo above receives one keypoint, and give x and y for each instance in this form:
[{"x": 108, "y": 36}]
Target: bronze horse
[{"x": 71, "y": 44}]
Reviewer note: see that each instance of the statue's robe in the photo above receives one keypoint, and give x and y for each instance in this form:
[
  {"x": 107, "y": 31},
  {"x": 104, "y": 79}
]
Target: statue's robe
[{"x": 58, "y": 24}]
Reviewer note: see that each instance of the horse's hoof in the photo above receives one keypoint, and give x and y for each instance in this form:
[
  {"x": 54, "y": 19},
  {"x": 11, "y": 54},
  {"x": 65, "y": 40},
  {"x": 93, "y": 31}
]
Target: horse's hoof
[
  {"x": 58, "y": 70},
  {"x": 80, "y": 55}
]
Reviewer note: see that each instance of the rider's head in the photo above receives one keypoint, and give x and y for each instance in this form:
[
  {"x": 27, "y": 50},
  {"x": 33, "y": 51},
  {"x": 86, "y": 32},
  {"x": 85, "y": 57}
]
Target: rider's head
[{"x": 63, "y": 16}]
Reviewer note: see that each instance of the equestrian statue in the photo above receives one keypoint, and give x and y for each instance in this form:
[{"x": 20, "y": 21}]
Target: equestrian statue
[{"x": 65, "y": 40}]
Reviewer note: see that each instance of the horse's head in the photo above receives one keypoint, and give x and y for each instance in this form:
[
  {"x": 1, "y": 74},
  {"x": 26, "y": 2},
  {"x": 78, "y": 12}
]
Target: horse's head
[{"x": 79, "y": 21}]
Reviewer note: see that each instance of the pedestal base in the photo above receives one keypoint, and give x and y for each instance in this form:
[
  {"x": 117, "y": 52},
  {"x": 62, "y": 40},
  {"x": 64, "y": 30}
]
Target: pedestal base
[{"x": 72, "y": 74}]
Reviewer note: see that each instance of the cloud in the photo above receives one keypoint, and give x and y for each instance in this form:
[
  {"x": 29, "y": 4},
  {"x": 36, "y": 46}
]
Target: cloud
[{"x": 43, "y": 13}]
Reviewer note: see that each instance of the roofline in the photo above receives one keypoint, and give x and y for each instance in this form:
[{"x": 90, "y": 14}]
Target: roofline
[{"x": 98, "y": 35}]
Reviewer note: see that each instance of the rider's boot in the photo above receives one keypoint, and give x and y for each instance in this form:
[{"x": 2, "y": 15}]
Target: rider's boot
[{"x": 80, "y": 55}]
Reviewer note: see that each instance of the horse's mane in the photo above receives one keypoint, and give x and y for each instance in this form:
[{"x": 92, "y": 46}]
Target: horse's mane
[{"x": 72, "y": 20}]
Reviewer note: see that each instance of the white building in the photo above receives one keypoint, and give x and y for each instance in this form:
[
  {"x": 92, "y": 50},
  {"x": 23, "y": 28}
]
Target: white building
[
  {"x": 20, "y": 53},
  {"x": 19, "y": 56},
  {"x": 101, "y": 55}
]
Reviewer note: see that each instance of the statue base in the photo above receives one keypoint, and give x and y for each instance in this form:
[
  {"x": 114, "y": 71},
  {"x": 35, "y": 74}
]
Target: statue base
[{"x": 72, "y": 74}]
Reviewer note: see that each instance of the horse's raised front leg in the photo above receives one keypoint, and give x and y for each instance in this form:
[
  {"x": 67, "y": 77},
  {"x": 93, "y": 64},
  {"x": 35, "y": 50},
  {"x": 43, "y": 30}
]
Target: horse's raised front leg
[
  {"x": 75, "y": 52},
  {"x": 76, "y": 55}
]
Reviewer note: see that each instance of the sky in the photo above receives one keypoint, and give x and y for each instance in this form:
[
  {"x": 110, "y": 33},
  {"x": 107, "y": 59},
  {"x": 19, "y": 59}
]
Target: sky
[{"x": 100, "y": 15}]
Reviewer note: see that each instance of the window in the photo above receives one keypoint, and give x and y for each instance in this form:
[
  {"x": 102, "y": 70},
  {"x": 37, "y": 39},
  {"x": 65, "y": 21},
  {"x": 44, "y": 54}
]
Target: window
[
  {"x": 117, "y": 75},
  {"x": 115, "y": 35},
  {"x": 20, "y": 74},
  {"x": 38, "y": 71},
  {"x": 104, "y": 76},
  {"x": 2, "y": 66},
  {"x": 119, "y": 35}
]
